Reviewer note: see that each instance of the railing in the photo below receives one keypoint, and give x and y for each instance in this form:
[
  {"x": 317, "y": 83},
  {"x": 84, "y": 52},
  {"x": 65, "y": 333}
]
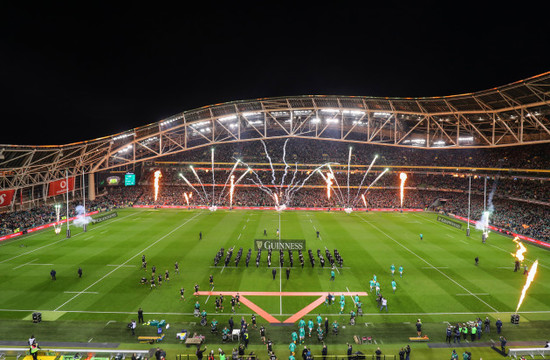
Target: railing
[
  {"x": 532, "y": 352},
  {"x": 253, "y": 356},
  {"x": 17, "y": 352}
]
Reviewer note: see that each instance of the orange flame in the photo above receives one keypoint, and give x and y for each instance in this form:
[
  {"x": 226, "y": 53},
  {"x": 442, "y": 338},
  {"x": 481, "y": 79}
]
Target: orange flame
[
  {"x": 364, "y": 200},
  {"x": 528, "y": 282},
  {"x": 329, "y": 183},
  {"x": 158, "y": 175},
  {"x": 520, "y": 250},
  {"x": 403, "y": 177}
]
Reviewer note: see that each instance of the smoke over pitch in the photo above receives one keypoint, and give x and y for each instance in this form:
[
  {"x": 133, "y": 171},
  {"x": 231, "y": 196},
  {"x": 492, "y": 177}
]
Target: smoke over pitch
[
  {"x": 81, "y": 218},
  {"x": 483, "y": 223}
]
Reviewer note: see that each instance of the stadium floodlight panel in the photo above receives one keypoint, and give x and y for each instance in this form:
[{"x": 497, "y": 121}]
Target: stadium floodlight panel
[
  {"x": 331, "y": 120},
  {"x": 251, "y": 113},
  {"x": 122, "y": 136},
  {"x": 228, "y": 118},
  {"x": 315, "y": 120},
  {"x": 201, "y": 124},
  {"x": 330, "y": 111},
  {"x": 353, "y": 112}
]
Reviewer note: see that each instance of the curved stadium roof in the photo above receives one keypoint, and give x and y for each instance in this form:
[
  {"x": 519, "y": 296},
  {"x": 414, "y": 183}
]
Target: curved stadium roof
[{"x": 513, "y": 114}]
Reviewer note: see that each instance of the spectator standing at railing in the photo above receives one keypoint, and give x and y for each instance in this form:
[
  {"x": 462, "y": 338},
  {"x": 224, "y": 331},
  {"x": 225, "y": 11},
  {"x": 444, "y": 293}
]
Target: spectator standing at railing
[{"x": 200, "y": 352}]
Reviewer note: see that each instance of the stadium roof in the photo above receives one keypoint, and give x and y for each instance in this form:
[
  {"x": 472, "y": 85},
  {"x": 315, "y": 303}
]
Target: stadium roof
[{"x": 513, "y": 114}]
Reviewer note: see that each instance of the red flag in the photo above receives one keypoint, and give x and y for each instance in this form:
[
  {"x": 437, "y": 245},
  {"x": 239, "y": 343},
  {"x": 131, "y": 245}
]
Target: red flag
[
  {"x": 6, "y": 196},
  {"x": 61, "y": 186}
]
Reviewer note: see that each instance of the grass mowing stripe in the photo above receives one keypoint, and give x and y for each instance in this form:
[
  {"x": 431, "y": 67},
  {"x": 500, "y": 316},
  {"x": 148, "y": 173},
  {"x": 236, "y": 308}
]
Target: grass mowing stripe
[
  {"x": 429, "y": 264},
  {"x": 42, "y": 247},
  {"x": 127, "y": 261}
]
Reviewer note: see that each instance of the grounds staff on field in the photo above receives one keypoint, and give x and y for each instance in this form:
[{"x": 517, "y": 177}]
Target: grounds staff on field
[{"x": 34, "y": 350}]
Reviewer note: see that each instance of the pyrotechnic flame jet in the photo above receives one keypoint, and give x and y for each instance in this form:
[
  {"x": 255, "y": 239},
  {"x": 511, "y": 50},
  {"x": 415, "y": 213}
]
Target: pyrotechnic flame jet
[
  {"x": 329, "y": 184},
  {"x": 528, "y": 282},
  {"x": 403, "y": 177},
  {"x": 520, "y": 250},
  {"x": 158, "y": 175}
]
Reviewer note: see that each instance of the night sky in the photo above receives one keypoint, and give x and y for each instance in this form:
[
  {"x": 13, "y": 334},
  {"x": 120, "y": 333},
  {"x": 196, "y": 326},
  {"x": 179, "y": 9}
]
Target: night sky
[{"x": 71, "y": 72}]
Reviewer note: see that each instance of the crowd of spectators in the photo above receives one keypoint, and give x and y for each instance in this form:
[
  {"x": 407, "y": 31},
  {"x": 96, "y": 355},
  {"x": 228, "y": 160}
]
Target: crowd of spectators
[
  {"x": 521, "y": 202},
  {"x": 315, "y": 151},
  {"x": 21, "y": 220}
]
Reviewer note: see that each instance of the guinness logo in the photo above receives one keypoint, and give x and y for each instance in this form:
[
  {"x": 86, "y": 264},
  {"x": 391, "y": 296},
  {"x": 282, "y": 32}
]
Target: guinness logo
[{"x": 259, "y": 244}]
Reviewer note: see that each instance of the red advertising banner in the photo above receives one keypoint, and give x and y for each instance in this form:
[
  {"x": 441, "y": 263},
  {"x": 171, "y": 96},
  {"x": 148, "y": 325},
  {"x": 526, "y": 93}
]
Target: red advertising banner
[
  {"x": 6, "y": 197},
  {"x": 59, "y": 187}
]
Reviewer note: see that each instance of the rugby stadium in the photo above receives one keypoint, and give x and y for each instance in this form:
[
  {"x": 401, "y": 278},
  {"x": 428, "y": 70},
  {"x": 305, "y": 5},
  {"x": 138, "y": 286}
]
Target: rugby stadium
[{"x": 344, "y": 224}]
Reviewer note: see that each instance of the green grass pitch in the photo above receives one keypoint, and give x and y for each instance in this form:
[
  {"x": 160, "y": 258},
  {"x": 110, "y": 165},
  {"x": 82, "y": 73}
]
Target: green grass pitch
[{"x": 441, "y": 282}]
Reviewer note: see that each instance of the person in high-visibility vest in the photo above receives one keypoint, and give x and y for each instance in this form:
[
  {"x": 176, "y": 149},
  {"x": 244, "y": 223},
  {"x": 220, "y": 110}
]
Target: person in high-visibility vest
[
  {"x": 34, "y": 350},
  {"x": 474, "y": 332}
]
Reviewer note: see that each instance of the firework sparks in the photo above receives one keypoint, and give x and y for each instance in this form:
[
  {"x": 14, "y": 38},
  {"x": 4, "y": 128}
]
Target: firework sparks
[
  {"x": 520, "y": 250},
  {"x": 57, "y": 225},
  {"x": 158, "y": 175},
  {"x": 364, "y": 177},
  {"x": 186, "y": 198},
  {"x": 191, "y": 186},
  {"x": 231, "y": 190},
  {"x": 276, "y": 198},
  {"x": 227, "y": 180},
  {"x": 528, "y": 282},
  {"x": 200, "y": 183},
  {"x": 403, "y": 178},
  {"x": 364, "y": 200}
]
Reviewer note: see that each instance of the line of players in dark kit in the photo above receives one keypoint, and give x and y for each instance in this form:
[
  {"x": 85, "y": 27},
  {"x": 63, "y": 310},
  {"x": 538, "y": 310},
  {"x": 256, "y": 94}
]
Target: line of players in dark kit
[{"x": 334, "y": 261}]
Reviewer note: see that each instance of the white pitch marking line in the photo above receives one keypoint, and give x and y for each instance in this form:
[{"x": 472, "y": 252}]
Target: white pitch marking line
[
  {"x": 33, "y": 264},
  {"x": 243, "y": 314},
  {"x": 224, "y": 265},
  {"x": 424, "y": 260},
  {"x": 127, "y": 261},
  {"x": 435, "y": 267},
  {"x": 58, "y": 241},
  {"x": 481, "y": 294},
  {"x": 239, "y": 236},
  {"x": 208, "y": 295},
  {"x": 27, "y": 263},
  {"x": 351, "y": 296},
  {"x": 78, "y": 292},
  {"x": 90, "y": 340},
  {"x": 121, "y": 265}
]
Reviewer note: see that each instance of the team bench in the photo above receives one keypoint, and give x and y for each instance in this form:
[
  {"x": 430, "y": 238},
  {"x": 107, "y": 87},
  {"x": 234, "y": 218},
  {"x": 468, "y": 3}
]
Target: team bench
[
  {"x": 515, "y": 352},
  {"x": 150, "y": 339}
]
